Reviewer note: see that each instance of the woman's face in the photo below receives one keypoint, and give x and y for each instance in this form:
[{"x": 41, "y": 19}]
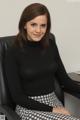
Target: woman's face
[{"x": 36, "y": 28}]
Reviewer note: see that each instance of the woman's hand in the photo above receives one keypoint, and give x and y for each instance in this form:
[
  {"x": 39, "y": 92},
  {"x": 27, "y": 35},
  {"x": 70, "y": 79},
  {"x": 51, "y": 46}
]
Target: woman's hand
[{"x": 61, "y": 110}]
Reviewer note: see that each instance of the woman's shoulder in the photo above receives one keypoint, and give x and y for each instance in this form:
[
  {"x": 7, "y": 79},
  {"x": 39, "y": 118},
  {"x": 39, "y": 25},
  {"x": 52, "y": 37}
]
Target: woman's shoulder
[
  {"x": 52, "y": 39},
  {"x": 12, "y": 51}
]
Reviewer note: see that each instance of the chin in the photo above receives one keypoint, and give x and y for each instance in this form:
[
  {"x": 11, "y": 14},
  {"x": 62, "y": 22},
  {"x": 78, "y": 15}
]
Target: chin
[{"x": 36, "y": 40}]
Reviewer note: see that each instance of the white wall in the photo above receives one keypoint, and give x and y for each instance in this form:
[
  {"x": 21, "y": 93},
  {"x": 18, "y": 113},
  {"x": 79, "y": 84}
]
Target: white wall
[{"x": 65, "y": 16}]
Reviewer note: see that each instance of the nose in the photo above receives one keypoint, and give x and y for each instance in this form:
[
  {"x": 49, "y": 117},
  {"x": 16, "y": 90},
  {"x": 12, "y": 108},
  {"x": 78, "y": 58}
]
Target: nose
[{"x": 38, "y": 29}]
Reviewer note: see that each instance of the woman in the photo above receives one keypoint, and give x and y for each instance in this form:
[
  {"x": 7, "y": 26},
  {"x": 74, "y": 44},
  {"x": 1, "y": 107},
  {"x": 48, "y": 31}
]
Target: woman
[{"x": 32, "y": 65}]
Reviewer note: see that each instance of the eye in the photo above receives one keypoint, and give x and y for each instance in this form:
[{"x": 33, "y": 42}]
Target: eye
[
  {"x": 33, "y": 24},
  {"x": 43, "y": 25}
]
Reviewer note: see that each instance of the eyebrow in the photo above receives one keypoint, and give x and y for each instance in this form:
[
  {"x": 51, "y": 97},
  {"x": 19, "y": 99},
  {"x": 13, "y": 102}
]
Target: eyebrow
[{"x": 36, "y": 23}]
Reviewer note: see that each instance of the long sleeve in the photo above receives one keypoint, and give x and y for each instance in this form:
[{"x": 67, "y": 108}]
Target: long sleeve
[
  {"x": 14, "y": 83},
  {"x": 62, "y": 76}
]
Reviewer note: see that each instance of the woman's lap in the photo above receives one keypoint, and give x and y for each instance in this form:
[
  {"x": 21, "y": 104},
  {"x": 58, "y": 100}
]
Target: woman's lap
[
  {"x": 49, "y": 99},
  {"x": 26, "y": 114}
]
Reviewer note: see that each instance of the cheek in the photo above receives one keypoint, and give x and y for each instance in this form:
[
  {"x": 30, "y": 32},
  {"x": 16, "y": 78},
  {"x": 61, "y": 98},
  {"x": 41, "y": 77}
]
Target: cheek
[
  {"x": 29, "y": 29},
  {"x": 44, "y": 31}
]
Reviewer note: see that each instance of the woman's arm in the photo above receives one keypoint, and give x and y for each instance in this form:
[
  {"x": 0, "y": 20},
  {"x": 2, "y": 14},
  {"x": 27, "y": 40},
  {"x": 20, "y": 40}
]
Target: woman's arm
[{"x": 61, "y": 74}]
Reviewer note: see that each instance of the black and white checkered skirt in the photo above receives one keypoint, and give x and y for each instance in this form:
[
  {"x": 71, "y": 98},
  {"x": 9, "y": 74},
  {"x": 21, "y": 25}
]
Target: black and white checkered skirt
[{"x": 49, "y": 99}]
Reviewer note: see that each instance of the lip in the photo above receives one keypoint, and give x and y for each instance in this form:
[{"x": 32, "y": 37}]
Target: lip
[{"x": 37, "y": 35}]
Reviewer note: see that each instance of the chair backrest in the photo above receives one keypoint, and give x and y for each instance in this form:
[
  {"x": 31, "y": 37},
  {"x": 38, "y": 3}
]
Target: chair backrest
[{"x": 5, "y": 97}]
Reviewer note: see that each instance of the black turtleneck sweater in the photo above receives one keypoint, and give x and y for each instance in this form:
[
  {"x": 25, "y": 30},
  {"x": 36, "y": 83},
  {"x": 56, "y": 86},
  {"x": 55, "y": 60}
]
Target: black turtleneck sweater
[{"x": 31, "y": 71}]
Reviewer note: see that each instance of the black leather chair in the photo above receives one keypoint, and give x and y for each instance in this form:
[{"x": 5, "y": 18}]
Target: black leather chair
[{"x": 7, "y": 106}]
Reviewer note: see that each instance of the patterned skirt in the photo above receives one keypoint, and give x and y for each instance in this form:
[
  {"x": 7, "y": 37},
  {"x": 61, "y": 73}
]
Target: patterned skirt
[{"x": 49, "y": 99}]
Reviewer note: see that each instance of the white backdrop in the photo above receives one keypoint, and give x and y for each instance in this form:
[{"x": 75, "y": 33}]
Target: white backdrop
[{"x": 65, "y": 17}]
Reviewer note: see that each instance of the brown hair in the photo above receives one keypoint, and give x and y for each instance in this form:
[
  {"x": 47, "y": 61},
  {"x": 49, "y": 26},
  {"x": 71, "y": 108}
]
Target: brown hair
[{"x": 29, "y": 13}]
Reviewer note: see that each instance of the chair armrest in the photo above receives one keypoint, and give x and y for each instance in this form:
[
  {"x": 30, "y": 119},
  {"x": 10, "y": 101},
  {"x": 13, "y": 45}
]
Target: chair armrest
[
  {"x": 72, "y": 103},
  {"x": 76, "y": 79},
  {"x": 9, "y": 113}
]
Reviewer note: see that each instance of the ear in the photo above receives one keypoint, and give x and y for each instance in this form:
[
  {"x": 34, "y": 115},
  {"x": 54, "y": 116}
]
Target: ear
[{"x": 25, "y": 27}]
